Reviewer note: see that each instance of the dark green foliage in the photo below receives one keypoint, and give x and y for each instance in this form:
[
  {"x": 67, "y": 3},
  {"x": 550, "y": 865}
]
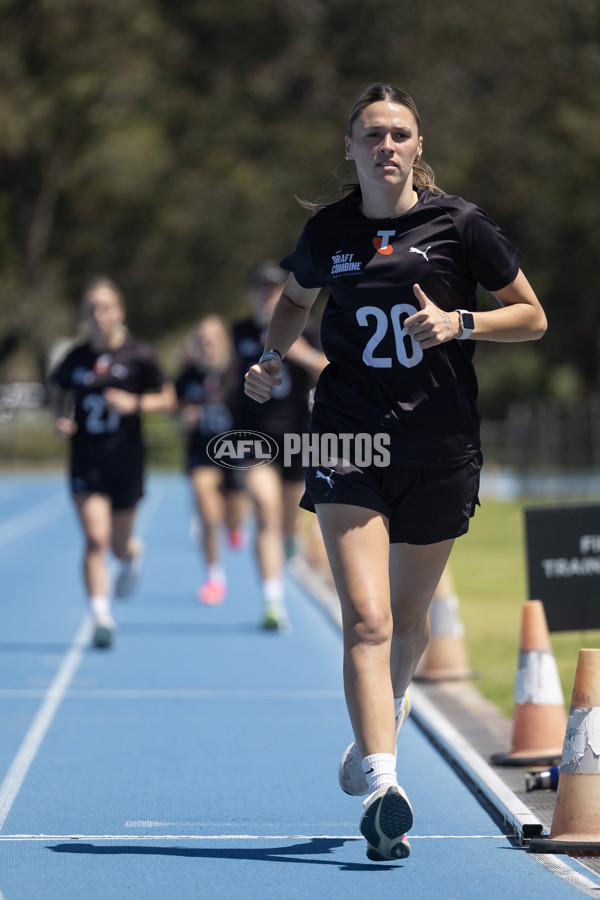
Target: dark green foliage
[{"x": 162, "y": 142}]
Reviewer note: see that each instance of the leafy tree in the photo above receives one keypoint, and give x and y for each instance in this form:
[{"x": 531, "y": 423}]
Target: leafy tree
[{"x": 163, "y": 142}]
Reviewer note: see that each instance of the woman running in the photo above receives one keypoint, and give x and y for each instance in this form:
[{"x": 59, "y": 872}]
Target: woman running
[
  {"x": 276, "y": 489},
  {"x": 112, "y": 378},
  {"x": 402, "y": 261},
  {"x": 204, "y": 388}
]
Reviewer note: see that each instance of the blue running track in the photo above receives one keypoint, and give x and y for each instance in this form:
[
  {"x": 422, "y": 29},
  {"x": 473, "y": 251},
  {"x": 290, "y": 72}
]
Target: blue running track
[{"x": 198, "y": 757}]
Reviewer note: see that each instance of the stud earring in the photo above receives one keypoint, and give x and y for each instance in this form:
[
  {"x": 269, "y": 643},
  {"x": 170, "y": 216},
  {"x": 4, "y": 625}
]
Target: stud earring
[{"x": 347, "y": 158}]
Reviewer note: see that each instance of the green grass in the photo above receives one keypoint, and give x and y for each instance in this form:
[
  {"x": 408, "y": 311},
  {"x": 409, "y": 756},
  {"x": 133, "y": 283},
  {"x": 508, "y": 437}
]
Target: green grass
[
  {"x": 489, "y": 568},
  {"x": 29, "y": 438}
]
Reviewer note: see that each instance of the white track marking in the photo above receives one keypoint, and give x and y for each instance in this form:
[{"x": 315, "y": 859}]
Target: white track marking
[
  {"x": 55, "y": 693},
  {"x": 32, "y": 518},
  {"x": 32, "y": 741},
  {"x": 564, "y": 871},
  {"x": 237, "y": 837},
  {"x": 176, "y": 694}
]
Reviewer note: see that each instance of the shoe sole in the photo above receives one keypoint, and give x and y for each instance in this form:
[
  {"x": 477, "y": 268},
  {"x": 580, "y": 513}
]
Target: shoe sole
[
  {"x": 275, "y": 620},
  {"x": 103, "y": 636},
  {"x": 272, "y": 625},
  {"x": 384, "y": 825}
]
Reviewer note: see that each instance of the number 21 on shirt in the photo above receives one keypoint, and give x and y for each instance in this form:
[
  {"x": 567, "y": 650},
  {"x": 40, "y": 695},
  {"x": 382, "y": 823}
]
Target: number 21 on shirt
[{"x": 408, "y": 351}]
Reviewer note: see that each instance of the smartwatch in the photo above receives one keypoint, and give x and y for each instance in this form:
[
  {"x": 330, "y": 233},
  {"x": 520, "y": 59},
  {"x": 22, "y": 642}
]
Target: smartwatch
[
  {"x": 270, "y": 354},
  {"x": 467, "y": 324}
]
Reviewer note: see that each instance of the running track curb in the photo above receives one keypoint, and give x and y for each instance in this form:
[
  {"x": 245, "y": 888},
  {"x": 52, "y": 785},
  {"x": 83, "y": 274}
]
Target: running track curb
[{"x": 514, "y": 813}]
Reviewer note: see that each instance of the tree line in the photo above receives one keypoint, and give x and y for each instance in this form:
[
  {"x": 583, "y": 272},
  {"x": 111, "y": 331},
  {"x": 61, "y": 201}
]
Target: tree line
[{"x": 164, "y": 143}]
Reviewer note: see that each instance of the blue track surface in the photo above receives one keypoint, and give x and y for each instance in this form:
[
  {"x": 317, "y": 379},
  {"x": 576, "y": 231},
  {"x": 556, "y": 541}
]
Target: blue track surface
[{"x": 198, "y": 758}]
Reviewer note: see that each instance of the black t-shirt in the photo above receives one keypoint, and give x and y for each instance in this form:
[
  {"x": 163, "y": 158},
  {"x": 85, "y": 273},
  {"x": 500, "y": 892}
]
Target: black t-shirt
[
  {"x": 87, "y": 372},
  {"x": 212, "y": 391},
  {"x": 287, "y": 411},
  {"x": 378, "y": 379}
]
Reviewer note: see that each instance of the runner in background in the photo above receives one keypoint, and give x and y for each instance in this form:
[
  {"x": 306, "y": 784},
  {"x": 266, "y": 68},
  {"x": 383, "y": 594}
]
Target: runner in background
[
  {"x": 111, "y": 378},
  {"x": 204, "y": 388},
  {"x": 275, "y": 489}
]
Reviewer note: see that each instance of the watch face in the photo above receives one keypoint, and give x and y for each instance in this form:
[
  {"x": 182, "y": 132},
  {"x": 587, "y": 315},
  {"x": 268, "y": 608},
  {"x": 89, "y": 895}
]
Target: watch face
[{"x": 468, "y": 322}]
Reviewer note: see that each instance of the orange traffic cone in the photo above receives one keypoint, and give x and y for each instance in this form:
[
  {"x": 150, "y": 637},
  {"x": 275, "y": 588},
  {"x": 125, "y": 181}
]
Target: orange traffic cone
[
  {"x": 576, "y": 820},
  {"x": 446, "y": 656},
  {"x": 539, "y": 720}
]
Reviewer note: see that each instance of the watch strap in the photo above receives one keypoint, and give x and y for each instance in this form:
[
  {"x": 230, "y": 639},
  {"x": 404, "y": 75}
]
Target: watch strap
[
  {"x": 466, "y": 323},
  {"x": 270, "y": 354}
]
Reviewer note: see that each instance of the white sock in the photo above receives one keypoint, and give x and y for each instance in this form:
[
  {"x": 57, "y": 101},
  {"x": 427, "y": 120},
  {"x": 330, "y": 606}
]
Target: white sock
[
  {"x": 380, "y": 770},
  {"x": 273, "y": 591},
  {"x": 216, "y": 572},
  {"x": 100, "y": 606}
]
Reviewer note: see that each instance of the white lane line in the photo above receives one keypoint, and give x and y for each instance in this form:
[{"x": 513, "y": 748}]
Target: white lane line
[
  {"x": 176, "y": 694},
  {"x": 210, "y": 827},
  {"x": 564, "y": 871},
  {"x": 239, "y": 837},
  {"x": 32, "y": 741},
  {"x": 57, "y": 690},
  {"x": 32, "y": 518}
]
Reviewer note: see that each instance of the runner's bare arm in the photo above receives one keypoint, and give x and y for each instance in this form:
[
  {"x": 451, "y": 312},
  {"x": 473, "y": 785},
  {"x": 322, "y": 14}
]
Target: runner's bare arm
[
  {"x": 287, "y": 324},
  {"x": 63, "y": 423},
  {"x": 126, "y": 403},
  {"x": 290, "y": 315},
  {"x": 520, "y": 318}
]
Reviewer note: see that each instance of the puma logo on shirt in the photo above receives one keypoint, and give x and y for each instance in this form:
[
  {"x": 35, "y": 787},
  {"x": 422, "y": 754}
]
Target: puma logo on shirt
[{"x": 422, "y": 252}]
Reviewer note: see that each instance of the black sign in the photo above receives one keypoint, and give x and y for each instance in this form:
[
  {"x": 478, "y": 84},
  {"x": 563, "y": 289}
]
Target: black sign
[{"x": 563, "y": 560}]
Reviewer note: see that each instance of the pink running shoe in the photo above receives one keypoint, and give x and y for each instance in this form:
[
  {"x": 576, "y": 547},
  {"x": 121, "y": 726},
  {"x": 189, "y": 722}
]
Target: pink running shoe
[{"x": 212, "y": 593}]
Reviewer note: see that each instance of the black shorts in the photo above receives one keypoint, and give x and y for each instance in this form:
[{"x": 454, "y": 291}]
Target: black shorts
[
  {"x": 119, "y": 476},
  {"x": 195, "y": 452},
  {"x": 423, "y": 506}
]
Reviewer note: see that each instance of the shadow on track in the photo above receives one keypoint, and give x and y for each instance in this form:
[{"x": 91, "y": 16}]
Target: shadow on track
[
  {"x": 185, "y": 629},
  {"x": 31, "y": 647},
  {"x": 289, "y": 854}
]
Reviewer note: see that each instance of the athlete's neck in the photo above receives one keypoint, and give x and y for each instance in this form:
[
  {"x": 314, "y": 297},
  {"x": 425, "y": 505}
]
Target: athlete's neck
[
  {"x": 111, "y": 341},
  {"x": 385, "y": 205}
]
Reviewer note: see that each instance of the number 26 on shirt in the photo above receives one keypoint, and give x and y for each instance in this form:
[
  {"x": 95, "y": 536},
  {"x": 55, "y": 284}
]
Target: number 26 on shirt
[{"x": 408, "y": 352}]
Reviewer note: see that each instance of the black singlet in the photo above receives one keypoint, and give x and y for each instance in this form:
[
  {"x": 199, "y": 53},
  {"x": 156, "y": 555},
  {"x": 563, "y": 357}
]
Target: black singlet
[
  {"x": 287, "y": 410},
  {"x": 378, "y": 379},
  {"x": 87, "y": 372},
  {"x": 212, "y": 391}
]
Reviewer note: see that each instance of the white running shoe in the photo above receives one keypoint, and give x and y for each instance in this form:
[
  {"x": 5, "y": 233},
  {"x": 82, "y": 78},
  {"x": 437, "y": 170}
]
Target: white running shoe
[
  {"x": 130, "y": 573},
  {"x": 350, "y": 773},
  {"x": 104, "y": 632},
  {"x": 387, "y": 816}
]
